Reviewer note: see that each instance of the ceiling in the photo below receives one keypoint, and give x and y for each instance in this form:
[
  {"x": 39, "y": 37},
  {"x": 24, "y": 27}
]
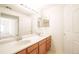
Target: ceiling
[
  {"x": 30, "y": 6},
  {"x": 18, "y": 8}
]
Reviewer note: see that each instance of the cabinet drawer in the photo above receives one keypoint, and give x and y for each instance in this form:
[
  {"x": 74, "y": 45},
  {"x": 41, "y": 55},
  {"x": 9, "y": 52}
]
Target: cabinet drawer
[
  {"x": 48, "y": 47},
  {"x": 29, "y": 49},
  {"x": 48, "y": 41},
  {"x": 41, "y": 42},
  {"x": 49, "y": 38}
]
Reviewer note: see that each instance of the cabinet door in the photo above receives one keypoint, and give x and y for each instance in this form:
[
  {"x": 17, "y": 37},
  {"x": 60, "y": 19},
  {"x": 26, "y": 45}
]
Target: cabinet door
[
  {"x": 48, "y": 43},
  {"x": 22, "y": 52},
  {"x": 48, "y": 46},
  {"x": 35, "y": 51},
  {"x": 42, "y": 47}
]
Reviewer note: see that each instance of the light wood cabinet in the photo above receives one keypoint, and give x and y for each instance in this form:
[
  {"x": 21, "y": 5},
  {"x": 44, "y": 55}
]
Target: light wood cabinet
[
  {"x": 48, "y": 43},
  {"x": 41, "y": 47},
  {"x": 33, "y": 49}
]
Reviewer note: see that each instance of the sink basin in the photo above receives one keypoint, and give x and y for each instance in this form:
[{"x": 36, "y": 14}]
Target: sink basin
[{"x": 23, "y": 42}]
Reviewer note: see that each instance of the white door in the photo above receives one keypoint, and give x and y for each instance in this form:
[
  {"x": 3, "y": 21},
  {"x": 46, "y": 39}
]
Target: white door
[{"x": 71, "y": 29}]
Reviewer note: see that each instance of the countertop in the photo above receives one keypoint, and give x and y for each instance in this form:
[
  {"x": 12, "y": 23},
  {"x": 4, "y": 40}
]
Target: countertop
[{"x": 16, "y": 46}]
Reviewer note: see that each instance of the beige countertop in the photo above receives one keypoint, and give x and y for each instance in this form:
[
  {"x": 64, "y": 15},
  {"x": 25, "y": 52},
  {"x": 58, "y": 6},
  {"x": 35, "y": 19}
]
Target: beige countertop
[{"x": 16, "y": 46}]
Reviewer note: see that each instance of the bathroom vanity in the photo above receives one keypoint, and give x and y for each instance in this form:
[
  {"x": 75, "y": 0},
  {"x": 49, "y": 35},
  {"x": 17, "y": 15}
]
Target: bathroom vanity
[
  {"x": 41, "y": 47},
  {"x": 29, "y": 45}
]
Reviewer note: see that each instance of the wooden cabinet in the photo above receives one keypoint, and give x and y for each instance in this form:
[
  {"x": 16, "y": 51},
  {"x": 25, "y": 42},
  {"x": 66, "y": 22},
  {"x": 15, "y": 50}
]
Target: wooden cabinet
[
  {"x": 33, "y": 49},
  {"x": 22, "y": 52},
  {"x": 42, "y": 47},
  {"x": 48, "y": 43}
]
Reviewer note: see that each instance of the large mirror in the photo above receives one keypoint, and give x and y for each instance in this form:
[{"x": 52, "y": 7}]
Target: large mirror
[{"x": 9, "y": 25}]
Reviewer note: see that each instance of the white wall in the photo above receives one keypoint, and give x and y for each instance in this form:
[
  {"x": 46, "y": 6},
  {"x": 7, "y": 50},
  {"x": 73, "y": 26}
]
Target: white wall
[{"x": 55, "y": 15}]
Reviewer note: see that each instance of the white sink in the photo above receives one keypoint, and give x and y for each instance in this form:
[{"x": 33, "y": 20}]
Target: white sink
[{"x": 23, "y": 42}]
